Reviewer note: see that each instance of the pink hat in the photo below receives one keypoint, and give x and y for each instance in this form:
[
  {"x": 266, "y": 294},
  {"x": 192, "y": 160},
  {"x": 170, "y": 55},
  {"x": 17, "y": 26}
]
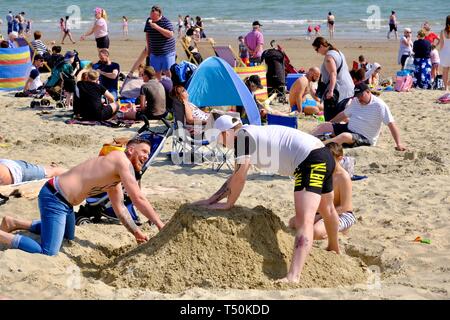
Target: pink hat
[{"x": 98, "y": 10}]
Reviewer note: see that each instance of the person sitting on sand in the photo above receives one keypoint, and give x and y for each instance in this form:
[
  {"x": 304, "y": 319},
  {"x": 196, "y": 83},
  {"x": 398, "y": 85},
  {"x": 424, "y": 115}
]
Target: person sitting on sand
[
  {"x": 292, "y": 153},
  {"x": 342, "y": 188},
  {"x": 152, "y": 98},
  {"x": 363, "y": 119},
  {"x": 90, "y": 178},
  {"x": 34, "y": 82},
  {"x": 358, "y": 75},
  {"x": 89, "y": 99},
  {"x": 109, "y": 72},
  {"x": 302, "y": 87},
  {"x": 18, "y": 171},
  {"x": 372, "y": 76}
]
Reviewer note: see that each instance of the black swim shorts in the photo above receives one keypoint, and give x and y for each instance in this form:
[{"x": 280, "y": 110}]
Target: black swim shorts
[
  {"x": 358, "y": 139},
  {"x": 392, "y": 27},
  {"x": 102, "y": 42},
  {"x": 315, "y": 173}
]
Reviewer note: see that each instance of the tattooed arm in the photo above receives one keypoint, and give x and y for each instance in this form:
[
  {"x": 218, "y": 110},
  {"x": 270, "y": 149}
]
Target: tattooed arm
[
  {"x": 128, "y": 179},
  {"x": 116, "y": 196},
  {"x": 231, "y": 189}
]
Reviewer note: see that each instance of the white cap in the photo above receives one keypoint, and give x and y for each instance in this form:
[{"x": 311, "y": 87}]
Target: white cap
[
  {"x": 223, "y": 123},
  {"x": 407, "y": 30}
]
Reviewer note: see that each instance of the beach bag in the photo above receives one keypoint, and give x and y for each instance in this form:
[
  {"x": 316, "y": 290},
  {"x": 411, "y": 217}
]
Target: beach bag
[
  {"x": 409, "y": 64},
  {"x": 444, "y": 99},
  {"x": 403, "y": 81},
  {"x": 438, "y": 83}
]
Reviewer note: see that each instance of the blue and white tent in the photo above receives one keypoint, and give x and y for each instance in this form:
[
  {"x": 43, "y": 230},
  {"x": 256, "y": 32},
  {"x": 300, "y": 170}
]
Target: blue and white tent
[{"x": 216, "y": 84}]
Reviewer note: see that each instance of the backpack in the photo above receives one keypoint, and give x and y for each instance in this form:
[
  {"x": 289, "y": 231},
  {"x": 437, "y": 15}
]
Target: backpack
[
  {"x": 182, "y": 72},
  {"x": 438, "y": 83}
]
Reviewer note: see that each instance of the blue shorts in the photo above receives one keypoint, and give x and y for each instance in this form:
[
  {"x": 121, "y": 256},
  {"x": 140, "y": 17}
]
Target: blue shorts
[
  {"x": 162, "y": 62},
  {"x": 30, "y": 171}
]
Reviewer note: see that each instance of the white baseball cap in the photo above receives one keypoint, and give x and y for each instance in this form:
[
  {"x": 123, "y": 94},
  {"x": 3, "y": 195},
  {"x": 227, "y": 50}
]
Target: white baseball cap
[{"x": 223, "y": 123}]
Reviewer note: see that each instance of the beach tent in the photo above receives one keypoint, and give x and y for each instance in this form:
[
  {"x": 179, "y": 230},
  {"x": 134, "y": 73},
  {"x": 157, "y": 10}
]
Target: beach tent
[
  {"x": 14, "y": 64},
  {"x": 215, "y": 84}
]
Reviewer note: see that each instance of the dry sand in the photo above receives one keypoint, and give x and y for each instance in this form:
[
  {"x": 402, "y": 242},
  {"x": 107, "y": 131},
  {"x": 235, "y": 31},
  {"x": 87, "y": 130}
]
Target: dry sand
[{"x": 406, "y": 195}]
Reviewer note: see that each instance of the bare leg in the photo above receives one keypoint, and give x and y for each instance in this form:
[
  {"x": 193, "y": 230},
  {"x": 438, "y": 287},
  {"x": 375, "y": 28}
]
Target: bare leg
[
  {"x": 320, "y": 233},
  {"x": 65, "y": 35},
  {"x": 344, "y": 137},
  {"x": 310, "y": 110},
  {"x": 306, "y": 205},
  {"x": 70, "y": 37},
  {"x": 10, "y": 224},
  {"x": 331, "y": 220},
  {"x": 6, "y": 238},
  {"x": 322, "y": 128},
  {"x": 445, "y": 71}
]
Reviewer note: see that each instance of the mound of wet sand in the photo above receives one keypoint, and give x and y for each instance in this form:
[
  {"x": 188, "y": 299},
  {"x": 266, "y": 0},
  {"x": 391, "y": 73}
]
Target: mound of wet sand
[{"x": 241, "y": 249}]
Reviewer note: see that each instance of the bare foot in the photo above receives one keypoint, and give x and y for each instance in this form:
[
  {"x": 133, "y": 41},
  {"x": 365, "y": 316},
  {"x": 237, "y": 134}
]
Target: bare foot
[
  {"x": 8, "y": 225},
  {"x": 337, "y": 251},
  {"x": 286, "y": 280}
]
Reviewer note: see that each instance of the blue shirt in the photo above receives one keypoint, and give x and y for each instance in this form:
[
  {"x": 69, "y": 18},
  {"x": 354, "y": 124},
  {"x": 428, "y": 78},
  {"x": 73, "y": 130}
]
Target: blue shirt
[
  {"x": 110, "y": 84},
  {"x": 158, "y": 43}
]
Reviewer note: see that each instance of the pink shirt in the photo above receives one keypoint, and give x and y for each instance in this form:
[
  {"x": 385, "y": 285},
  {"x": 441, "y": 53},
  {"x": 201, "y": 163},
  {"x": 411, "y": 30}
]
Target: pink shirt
[
  {"x": 252, "y": 39},
  {"x": 434, "y": 56},
  {"x": 101, "y": 29}
]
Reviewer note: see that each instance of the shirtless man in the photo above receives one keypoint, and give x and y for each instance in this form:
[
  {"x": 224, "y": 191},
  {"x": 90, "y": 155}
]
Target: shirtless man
[
  {"x": 299, "y": 90},
  {"x": 17, "y": 171},
  {"x": 92, "y": 177}
]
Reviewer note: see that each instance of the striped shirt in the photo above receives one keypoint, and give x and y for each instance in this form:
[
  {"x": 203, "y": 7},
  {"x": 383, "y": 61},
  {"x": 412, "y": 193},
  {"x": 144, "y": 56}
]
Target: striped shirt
[
  {"x": 158, "y": 43},
  {"x": 39, "y": 46},
  {"x": 366, "y": 120}
]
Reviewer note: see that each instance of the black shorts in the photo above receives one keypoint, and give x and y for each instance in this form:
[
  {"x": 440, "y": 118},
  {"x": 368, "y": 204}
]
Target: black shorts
[
  {"x": 105, "y": 113},
  {"x": 315, "y": 173},
  {"x": 358, "y": 139},
  {"x": 331, "y": 23},
  {"x": 102, "y": 42},
  {"x": 392, "y": 27}
]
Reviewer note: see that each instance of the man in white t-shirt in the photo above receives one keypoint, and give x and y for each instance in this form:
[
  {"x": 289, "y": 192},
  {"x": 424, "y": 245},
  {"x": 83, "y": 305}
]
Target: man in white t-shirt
[
  {"x": 34, "y": 77},
  {"x": 363, "y": 117},
  {"x": 289, "y": 152}
]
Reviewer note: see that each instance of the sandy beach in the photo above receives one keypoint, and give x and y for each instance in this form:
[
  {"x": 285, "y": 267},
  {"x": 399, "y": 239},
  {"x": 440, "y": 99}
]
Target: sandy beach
[{"x": 407, "y": 194}]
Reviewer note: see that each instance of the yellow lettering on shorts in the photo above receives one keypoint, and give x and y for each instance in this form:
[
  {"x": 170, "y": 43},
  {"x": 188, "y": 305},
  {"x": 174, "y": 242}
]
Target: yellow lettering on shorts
[
  {"x": 298, "y": 179},
  {"x": 315, "y": 178}
]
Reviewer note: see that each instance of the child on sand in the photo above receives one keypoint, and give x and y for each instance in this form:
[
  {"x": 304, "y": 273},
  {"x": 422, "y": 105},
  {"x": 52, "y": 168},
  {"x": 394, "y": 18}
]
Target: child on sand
[
  {"x": 243, "y": 51},
  {"x": 342, "y": 187}
]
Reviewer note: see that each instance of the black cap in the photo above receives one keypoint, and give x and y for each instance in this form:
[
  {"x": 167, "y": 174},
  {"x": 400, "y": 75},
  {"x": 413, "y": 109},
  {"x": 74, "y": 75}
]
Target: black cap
[
  {"x": 256, "y": 23},
  {"x": 360, "y": 88},
  {"x": 256, "y": 80}
]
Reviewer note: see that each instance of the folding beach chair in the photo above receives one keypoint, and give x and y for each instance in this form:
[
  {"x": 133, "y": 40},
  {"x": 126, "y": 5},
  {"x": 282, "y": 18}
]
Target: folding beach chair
[
  {"x": 227, "y": 53},
  {"x": 191, "y": 149},
  {"x": 282, "y": 121},
  {"x": 205, "y": 48},
  {"x": 187, "y": 54}
]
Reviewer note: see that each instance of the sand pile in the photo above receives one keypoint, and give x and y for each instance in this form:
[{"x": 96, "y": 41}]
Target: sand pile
[{"x": 242, "y": 249}]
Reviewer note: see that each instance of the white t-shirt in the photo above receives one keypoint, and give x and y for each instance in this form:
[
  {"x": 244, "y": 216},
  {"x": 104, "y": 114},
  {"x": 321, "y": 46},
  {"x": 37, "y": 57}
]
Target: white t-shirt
[
  {"x": 278, "y": 149},
  {"x": 102, "y": 28},
  {"x": 34, "y": 74},
  {"x": 14, "y": 168},
  {"x": 366, "y": 120}
]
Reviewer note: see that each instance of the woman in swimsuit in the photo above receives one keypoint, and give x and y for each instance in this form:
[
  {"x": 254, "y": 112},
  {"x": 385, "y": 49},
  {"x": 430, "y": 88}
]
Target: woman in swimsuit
[{"x": 330, "y": 22}]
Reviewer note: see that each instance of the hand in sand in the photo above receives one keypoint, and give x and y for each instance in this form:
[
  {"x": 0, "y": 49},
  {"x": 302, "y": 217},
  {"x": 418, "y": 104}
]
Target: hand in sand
[
  {"x": 400, "y": 147},
  {"x": 219, "y": 206},
  {"x": 201, "y": 203},
  {"x": 140, "y": 236}
]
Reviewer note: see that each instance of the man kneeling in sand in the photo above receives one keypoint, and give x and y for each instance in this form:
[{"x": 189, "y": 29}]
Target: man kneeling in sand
[
  {"x": 18, "y": 171},
  {"x": 92, "y": 177},
  {"x": 290, "y": 152},
  {"x": 299, "y": 90}
]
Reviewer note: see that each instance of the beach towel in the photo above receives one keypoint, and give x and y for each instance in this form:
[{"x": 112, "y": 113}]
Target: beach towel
[
  {"x": 107, "y": 123},
  {"x": 444, "y": 99}
]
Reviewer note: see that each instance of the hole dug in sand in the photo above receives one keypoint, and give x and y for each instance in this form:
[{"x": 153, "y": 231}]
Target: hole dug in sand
[{"x": 241, "y": 249}]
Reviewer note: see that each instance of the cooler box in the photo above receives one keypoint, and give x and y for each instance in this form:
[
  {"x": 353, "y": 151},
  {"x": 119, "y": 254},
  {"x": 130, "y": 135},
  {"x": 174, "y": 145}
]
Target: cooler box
[{"x": 290, "y": 79}]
